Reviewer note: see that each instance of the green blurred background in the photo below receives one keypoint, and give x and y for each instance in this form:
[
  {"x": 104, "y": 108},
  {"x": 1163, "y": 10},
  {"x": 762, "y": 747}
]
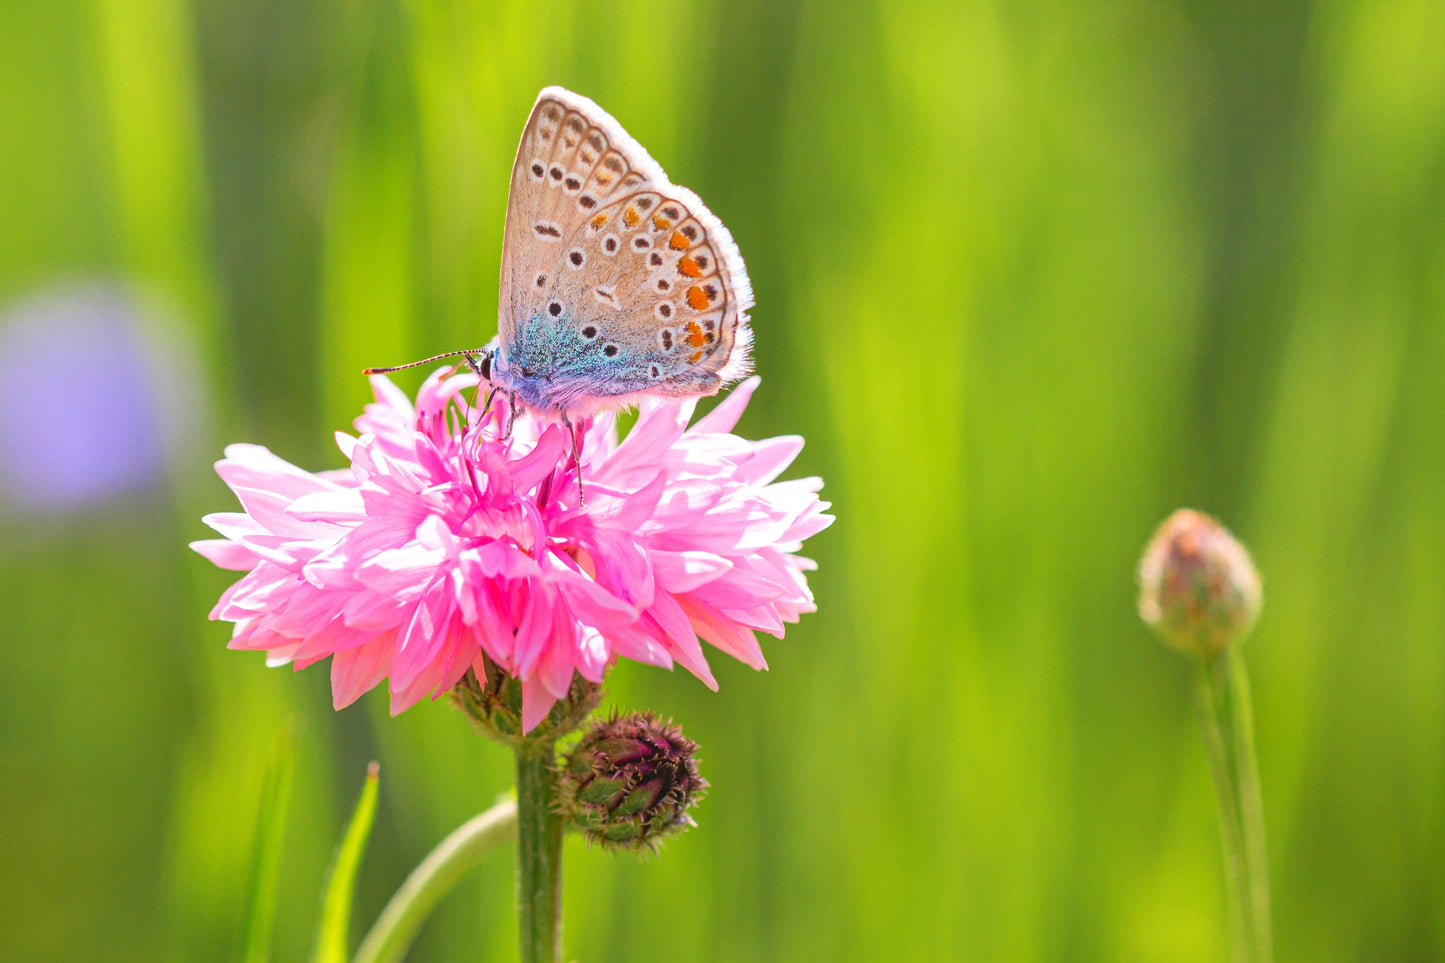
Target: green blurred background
[{"x": 1029, "y": 275}]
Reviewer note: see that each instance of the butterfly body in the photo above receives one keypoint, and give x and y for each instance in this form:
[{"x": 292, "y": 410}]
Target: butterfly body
[{"x": 616, "y": 283}]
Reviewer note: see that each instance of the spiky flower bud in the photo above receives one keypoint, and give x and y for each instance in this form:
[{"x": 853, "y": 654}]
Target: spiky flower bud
[
  {"x": 630, "y": 782},
  {"x": 1198, "y": 587}
]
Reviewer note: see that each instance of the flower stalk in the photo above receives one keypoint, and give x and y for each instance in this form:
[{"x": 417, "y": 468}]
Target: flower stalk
[
  {"x": 1226, "y": 721},
  {"x": 1216, "y": 748},
  {"x": 493, "y": 702},
  {"x": 539, "y": 854},
  {"x": 436, "y": 876},
  {"x": 1251, "y": 810}
]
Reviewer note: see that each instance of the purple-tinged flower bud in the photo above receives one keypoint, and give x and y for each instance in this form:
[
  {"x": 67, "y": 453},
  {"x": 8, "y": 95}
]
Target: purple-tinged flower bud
[
  {"x": 630, "y": 782},
  {"x": 1198, "y": 587}
]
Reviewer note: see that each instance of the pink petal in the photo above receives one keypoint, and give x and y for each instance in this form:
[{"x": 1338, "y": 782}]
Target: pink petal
[
  {"x": 536, "y": 703},
  {"x": 224, "y": 554},
  {"x": 680, "y": 637},
  {"x": 724, "y": 417},
  {"x": 686, "y": 571},
  {"x": 769, "y": 459},
  {"x": 424, "y": 639},
  {"x": 736, "y": 641}
]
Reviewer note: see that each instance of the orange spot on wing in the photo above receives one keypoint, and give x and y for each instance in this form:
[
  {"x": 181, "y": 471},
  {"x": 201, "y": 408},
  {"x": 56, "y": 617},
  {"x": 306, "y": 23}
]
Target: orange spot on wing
[
  {"x": 677, "y": 242},
  {"x": 630, "y": 217},
  {"x": 689, "y": 267},
  {"x": 696, "y": 298},
  {"x": 599, "y": 220},
  {"x": 604, "y": 178},
  {"x": 661, "y": 223},
  {"x": 695, "y": 336},
  {"x": 696, "y": 357}
]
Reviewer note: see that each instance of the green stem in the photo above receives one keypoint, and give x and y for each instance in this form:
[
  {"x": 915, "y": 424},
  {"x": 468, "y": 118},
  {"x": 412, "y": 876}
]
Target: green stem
[
  {"x": 390, "y": 937},
  {"x": 1216, "y": 749},
  {"x": 1251, "y": 809},
  {"x": 539, "y": 855}
]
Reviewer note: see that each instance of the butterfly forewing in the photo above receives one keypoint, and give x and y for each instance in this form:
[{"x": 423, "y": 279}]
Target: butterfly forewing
[
  {"x": 640, "y": 287},
  {"x": 566, "y": 168}
]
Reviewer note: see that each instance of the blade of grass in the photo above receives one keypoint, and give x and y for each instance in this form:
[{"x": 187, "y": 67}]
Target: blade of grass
[
  {"x": 333, "y": 930},
  {"x": 266, "y": 862}
]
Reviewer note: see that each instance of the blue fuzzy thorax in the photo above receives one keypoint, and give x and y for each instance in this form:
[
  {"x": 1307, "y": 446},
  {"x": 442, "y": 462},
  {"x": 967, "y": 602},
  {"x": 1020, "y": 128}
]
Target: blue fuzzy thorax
[{"x": 550, "y": 367}]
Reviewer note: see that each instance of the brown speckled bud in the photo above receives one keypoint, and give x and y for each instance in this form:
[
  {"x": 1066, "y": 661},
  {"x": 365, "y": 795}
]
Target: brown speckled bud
[{"x": 1198, "y": 587}]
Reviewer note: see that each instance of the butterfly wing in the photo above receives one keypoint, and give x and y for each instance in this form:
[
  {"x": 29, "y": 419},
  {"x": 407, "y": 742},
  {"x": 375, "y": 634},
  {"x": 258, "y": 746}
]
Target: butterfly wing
[{"x": 615, "y": 281}]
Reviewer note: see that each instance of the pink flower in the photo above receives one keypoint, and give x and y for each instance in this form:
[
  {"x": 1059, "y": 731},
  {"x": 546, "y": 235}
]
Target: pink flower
[{"x": 440, "y": 544}]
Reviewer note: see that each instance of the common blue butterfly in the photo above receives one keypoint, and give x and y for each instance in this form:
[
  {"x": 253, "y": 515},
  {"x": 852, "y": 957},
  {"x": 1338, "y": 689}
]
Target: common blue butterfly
[{"x": 616, "y": 283}]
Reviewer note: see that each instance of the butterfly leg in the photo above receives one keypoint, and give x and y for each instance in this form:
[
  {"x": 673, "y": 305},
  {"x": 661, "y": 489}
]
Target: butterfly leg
[
  {"x": 512, "y": 416},
  {"x": 486, "y": 405},
  {"x": 576, "y": 455}
]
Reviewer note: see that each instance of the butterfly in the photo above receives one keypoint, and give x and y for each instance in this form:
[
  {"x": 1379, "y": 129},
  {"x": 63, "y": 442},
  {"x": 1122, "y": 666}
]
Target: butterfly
[{"x": 616, "y": 284}]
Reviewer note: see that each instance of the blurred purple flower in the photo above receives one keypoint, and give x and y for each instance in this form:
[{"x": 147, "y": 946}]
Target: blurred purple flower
[{"x": 108, "y": 435}]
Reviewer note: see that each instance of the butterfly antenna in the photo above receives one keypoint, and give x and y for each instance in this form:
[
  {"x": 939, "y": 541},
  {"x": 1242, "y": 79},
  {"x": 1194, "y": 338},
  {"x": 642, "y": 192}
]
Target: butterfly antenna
[{"x": 413, "y": 364}]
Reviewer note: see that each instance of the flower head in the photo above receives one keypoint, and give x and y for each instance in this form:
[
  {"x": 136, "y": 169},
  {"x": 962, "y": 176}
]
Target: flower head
[
  {"x": 1198, "y": 587},
  {"x": 631, "y": 781},
  {"x": 444, "y": 541}
]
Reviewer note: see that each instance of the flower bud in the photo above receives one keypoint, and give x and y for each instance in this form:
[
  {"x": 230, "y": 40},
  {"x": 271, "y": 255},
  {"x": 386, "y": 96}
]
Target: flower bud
[
  {"x": 630, "y": 782},
  {"x": 1198, "y": 587}
]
